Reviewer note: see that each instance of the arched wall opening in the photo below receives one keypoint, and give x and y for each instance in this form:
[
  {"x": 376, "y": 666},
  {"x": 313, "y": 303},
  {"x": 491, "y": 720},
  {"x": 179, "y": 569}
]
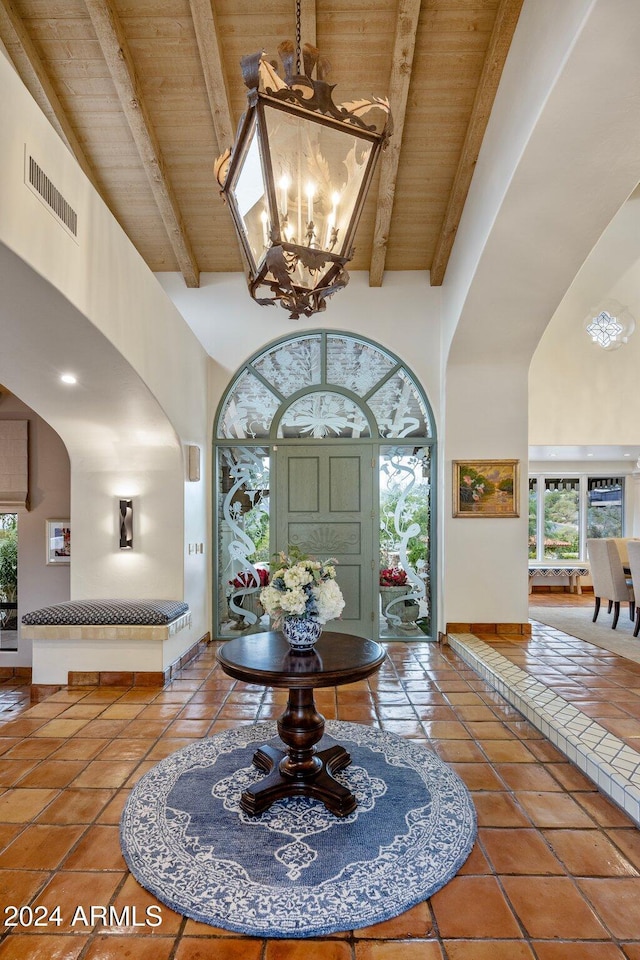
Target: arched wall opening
[
  {"x": 119, "y": 442},
  {"x": 525, "y": 233},
  {"x": 42, "y": 576}
]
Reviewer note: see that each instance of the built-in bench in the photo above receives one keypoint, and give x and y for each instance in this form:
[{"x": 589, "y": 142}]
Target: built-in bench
[
  {"x": 572, "y": 574},
  {"x": 124, "y": 642}
]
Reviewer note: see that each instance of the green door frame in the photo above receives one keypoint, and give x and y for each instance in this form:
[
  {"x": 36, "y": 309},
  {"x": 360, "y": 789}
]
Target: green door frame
[{"x": 375, "y": 441}]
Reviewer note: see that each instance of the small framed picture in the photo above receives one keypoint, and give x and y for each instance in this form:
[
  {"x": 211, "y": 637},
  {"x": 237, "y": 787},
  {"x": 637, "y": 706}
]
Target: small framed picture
[
  {"x": 485, "y": 488},
  {"x": 58, "y": 541}
]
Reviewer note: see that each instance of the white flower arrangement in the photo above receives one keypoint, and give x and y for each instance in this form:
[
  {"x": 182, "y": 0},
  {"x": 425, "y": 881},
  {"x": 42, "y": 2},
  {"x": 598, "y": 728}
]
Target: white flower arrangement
[{"x": 302, "y": 587}]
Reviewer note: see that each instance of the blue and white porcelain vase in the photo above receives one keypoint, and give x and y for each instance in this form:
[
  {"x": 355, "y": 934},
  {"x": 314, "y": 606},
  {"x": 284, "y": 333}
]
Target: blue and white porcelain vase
[{"x": 301, "y": 633}]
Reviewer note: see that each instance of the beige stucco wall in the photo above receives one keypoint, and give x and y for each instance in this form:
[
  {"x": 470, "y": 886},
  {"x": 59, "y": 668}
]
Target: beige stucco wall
[{"x": 90, "y": 305}]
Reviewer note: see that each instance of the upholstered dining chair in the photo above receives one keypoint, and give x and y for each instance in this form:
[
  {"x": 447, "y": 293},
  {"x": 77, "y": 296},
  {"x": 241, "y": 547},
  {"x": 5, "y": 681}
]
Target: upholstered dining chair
[
  {"x": 633, "y": 550},
  {"x": 622, "y": 543},
  {"x": 609, "y": 580}
]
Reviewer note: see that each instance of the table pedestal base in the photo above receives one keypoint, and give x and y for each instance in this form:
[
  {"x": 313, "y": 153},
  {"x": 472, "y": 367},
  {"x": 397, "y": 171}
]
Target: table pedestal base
[
  {"x": 299, "y": 769},
  {"x": 318, "y": 783}
]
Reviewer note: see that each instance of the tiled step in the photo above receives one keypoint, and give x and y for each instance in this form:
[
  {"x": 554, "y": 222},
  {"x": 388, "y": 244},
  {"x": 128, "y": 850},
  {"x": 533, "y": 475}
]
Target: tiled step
[{"x": 612, "y": 764}]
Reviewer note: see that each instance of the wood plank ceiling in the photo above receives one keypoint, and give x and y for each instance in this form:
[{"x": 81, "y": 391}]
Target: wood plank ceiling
[{"x": 147, "y": 93}]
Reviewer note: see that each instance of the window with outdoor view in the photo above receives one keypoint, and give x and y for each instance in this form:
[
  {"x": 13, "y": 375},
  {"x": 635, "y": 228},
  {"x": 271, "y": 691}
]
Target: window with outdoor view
[
  {"x": 533, "y": 518},
  {"x": 561, "y": 516},
  {"x": 565, "y": 511},
  {"x": 604, "y": 507},
  {"x": 8, "y": 581}
]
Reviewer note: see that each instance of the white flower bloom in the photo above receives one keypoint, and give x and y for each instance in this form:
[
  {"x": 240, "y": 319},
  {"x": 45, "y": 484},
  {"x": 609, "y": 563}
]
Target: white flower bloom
[
  {"x": 329, "y": 600},
  {"x": 270, "y": 599},
  {"x": 296, "y": 577},
  {"x": 293, "y": 601}
]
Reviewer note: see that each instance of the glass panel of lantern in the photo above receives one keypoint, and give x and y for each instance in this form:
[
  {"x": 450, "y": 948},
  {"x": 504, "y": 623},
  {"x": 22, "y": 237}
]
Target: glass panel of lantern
[
  {"x": 249, "y": 197},
  {"x": 318, "y": 171}
]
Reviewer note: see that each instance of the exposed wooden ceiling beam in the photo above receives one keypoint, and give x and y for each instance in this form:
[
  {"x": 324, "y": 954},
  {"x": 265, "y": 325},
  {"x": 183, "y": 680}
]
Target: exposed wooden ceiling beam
[
  {"x": 499, "y": 43},
  {"x": 116, "y": 53},
  {"x": 204, "y": 22},
  {"x": 31, "y": 70},
  {"x": 406, "y": 29}
]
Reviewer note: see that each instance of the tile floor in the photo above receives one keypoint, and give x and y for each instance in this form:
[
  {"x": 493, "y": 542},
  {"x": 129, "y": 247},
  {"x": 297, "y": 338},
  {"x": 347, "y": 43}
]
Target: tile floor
[
  {"x": 14, "y": 696},
  {"x": 555, "y": 874},
  {"x": 550, "y": 680}
]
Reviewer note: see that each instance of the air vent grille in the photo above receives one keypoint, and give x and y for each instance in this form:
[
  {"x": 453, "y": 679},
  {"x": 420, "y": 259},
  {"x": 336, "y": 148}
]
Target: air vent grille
[{"x": 52, "y": 197}]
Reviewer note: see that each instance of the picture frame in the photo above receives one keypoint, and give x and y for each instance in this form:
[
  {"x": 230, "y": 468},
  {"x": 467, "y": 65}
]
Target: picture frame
[
  {"x": 486, "y": 488},
  {"x": 58, "y": 541}
]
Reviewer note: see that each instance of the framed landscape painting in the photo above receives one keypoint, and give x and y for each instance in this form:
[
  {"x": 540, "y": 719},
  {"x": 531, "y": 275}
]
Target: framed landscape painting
[
  {"x": 485, "y": 488},
  {"x": 58, "y": 541}
]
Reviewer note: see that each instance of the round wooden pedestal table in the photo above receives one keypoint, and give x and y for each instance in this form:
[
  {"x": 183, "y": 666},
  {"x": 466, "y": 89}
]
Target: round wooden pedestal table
[{"x": 300, "y": 770}]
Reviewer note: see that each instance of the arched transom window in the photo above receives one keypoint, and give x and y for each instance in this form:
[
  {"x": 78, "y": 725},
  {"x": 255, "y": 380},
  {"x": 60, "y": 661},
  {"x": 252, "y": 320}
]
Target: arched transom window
[{"x": 324, "y": 386}]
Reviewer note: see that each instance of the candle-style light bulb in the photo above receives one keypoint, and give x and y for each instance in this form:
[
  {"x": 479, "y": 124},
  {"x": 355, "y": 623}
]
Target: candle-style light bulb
[{"x": 284, "y": 184}]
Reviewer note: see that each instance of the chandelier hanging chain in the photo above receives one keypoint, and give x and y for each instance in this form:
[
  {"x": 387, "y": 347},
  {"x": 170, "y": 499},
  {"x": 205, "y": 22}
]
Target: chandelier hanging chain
[{"x": 298, "y": 36}]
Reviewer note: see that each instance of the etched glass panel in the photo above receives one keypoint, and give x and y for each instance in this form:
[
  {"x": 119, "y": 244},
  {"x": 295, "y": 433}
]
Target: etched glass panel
[
  {"x": 405, "y": 523},
  {"x": 355, "y": 365},
  {"x": 248, "y": 410},
  {"x": 292, "y": 366},
  {"x": 243, "y": 542},
  {"x": 324, "y": 415},
  {"x": 399, "y": 409}
]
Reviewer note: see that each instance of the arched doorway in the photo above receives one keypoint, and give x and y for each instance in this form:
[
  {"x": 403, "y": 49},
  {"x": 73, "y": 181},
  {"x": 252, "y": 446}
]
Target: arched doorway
[{"x": 324, "y": 443}]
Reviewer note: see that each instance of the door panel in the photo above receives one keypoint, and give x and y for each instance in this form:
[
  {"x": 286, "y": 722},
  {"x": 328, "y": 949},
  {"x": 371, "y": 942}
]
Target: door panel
[
  {"x": 324, "y": 508},
  {"x": 345, "y": 484},
  {"x": 303, "y": 491},
  {"x": 329, "y": 538},
  {"x": 349, "y": 578}
]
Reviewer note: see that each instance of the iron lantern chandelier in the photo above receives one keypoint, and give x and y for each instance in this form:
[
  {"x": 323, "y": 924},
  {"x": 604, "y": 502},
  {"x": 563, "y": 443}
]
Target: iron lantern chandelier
[{"x": 297, "y": 178}]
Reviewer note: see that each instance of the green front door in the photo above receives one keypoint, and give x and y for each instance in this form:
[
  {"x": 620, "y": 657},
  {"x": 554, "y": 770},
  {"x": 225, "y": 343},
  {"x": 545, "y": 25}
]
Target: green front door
[{"x": 324, "y": 507}]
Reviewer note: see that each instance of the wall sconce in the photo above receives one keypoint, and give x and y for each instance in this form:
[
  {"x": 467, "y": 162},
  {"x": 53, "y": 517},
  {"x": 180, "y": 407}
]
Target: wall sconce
[
  {"x": 126, "y": 524},
  {"x": 193, "y": 462}
]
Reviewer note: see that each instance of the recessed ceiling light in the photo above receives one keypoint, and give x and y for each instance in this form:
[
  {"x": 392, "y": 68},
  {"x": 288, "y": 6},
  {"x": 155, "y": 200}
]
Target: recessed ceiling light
[
  {"x": 589, "y": 454},
  {"x": 68, "y": 378},
  {"x": 553, "y": 454},
  {"x": 627, "y": 454}
]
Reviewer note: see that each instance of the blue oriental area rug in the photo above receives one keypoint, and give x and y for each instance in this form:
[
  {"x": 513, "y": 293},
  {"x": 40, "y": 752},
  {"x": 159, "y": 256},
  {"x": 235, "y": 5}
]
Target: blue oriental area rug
[{"x": 296, "y": 870}]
